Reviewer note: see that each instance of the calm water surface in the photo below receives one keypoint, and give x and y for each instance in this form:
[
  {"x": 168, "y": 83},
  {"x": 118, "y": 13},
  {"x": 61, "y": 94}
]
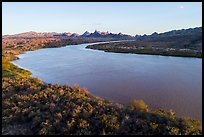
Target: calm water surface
[{"x": 161, "y": 81}]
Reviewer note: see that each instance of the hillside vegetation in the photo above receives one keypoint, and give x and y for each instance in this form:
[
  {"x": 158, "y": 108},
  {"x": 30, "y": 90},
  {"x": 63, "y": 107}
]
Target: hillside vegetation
[{"x": 30, "y": 106}]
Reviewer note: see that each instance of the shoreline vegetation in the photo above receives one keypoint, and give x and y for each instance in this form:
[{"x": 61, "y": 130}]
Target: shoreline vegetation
[
  {"x": 32, "y": 107},
  {"x": 145, "y": 49}
]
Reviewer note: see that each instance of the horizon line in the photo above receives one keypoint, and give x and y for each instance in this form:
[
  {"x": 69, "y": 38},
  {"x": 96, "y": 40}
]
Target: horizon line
[{"x": 97, "y": 30}]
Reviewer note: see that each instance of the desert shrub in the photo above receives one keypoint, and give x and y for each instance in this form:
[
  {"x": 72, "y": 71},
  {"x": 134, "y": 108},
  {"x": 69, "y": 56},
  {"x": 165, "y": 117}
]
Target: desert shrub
[{"x": 138, "y": 105}]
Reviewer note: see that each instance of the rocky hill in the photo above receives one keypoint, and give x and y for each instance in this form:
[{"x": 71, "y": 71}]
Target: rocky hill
[
  {"x": 105, "y": 35},
  {"x": 96, "y": 34}
]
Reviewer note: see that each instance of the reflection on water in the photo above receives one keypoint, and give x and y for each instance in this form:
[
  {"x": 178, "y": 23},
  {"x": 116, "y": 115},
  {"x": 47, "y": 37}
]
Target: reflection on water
[{"x": 161, "y": 81}]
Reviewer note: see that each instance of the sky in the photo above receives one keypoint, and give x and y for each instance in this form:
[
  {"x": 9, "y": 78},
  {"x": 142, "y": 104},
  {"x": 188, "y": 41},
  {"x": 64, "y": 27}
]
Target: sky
[{"x": 77, "y": 17}]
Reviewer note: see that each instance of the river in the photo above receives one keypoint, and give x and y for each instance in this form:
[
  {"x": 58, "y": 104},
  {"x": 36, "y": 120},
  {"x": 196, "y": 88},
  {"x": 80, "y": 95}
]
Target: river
[{"x": 161, "y": 81}]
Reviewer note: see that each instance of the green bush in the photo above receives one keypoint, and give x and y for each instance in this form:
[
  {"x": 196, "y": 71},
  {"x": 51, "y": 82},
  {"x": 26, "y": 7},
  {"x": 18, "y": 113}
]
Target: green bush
[{"x": 138, "y": 105}]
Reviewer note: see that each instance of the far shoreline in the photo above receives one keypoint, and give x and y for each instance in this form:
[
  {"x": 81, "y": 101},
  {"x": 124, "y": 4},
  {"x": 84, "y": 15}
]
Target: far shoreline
[{"x": 129, "y": 52}]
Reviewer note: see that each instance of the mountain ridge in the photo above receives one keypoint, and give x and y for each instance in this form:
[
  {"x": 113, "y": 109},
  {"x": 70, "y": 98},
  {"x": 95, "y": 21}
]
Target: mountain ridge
[
  {"x": 103, "y": 34},
  {"x": 97, "y": 34}
]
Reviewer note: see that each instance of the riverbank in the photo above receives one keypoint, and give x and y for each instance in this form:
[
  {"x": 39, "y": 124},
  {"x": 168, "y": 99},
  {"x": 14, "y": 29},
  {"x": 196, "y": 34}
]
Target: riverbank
[
  {"x": 138, "y": 48},
  {"x": 61, "y": 109}
]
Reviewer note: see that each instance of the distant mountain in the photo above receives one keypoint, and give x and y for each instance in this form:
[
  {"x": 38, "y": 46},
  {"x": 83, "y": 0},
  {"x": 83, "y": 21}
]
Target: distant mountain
[
  {"x": 74, "y": 35},
  {"x": 185, "y": 38},
  {"x": 36, "y": 34},
  {"x": 95, "y": 34},
  {"x": 85, "y": 34},
  {"x": 173, "y": 33},
  {"x": 63, "y": 34},
  {"x": 33, "y": 34},
  {"x": 98, "y": 34},
  {"x": 189, "y": 31}
]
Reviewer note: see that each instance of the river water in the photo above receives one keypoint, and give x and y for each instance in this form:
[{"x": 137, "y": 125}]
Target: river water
[{"x": 161, "y": 81}]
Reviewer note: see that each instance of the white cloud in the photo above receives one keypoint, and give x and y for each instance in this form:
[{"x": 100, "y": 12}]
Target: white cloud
[{"x": 181, "y": 7}]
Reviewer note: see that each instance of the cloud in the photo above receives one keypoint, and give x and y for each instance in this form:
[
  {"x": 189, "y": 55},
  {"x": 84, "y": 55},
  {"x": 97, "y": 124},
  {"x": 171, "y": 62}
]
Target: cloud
[{"x": 181, "y": 7}]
